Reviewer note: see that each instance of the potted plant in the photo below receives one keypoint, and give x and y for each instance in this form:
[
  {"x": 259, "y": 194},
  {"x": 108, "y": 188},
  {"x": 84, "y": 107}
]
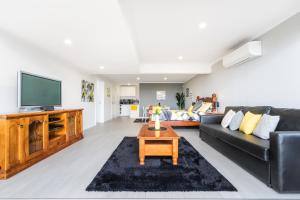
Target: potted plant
[{"x": 180, "y": 100}]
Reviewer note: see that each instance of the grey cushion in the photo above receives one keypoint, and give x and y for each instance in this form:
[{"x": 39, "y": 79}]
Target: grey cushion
[
  {"x": 197, "y": 106},
  {"x": 266, "y": 125},
  {"x": 236, "y": 121}
]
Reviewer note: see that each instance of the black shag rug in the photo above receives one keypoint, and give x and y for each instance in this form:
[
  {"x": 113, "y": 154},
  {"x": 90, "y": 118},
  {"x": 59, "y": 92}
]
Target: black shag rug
[{"x": 122, "y": 172}]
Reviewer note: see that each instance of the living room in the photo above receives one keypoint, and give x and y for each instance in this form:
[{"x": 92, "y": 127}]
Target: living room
[{"x": 183, "y": 99}]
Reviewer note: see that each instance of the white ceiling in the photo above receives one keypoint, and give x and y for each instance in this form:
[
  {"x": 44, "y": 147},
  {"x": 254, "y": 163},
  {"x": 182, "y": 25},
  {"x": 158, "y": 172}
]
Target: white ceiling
[
  {"x": 165, "y": 29},
  {"x": 125, "y": 79},
  {"x": 142, "y": 36},
  {"x": 97, "y": 29}
]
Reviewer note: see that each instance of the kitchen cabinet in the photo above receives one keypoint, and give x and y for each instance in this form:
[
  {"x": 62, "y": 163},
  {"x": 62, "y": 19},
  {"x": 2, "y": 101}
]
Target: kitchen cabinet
[
  {"x": 128, "y": 91},
  {"x": 134, "y": 111},
  {"x": 130, "y": 110},
  {"x": 125, "y": 110}
]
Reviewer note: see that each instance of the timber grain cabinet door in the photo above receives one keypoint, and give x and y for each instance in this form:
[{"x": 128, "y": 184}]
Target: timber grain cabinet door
[
  {"x": 14, "y": 139},
  {"x": 71, "y": 126},
  {"x": 36, "y": 136},
  {"x": 79, "y": 125}
]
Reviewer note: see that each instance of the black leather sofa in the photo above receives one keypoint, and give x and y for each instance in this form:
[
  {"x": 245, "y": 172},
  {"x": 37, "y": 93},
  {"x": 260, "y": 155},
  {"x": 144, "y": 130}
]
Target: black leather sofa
[{"x": 276, "y": 162}]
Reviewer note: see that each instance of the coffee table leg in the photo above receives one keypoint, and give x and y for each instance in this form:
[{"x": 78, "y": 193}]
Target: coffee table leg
[
  {"x": 175, "y": 151},
  {"x": 142, "y": 151}
]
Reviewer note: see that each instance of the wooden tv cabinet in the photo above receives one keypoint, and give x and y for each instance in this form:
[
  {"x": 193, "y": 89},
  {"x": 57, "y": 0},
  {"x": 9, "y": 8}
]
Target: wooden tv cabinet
[{"x": 26, "y": 138}]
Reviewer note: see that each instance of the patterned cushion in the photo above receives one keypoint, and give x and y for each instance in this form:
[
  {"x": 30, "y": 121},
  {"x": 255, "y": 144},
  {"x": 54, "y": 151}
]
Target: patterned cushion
[
  {"x": 176, "y": 115},
  {"x": 205, "y": 107},
  {"x": 197, "y": 106}
]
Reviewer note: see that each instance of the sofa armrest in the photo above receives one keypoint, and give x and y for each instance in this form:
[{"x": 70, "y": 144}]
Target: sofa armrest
[
  {"x": 285, "y": 162},
  {"x": 211, "y": 118}
]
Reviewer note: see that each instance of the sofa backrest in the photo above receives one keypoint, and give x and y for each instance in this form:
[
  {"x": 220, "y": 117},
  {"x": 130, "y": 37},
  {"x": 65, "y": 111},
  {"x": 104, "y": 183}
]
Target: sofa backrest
[
  {"x": 289, "y": 119},
  {"x": 254, "y": 109},
  {"x": 234, "y": 108},
  {"x": 257, "y": 109}
]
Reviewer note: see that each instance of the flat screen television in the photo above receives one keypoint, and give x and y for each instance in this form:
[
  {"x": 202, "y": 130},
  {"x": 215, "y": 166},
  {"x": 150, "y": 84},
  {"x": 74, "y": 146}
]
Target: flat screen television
[{"x": 38, "y": 91}]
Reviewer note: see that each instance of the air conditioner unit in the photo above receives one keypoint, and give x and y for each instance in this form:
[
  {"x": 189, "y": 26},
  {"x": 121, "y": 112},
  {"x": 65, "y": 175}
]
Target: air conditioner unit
[{"x": 245, "y": 53}]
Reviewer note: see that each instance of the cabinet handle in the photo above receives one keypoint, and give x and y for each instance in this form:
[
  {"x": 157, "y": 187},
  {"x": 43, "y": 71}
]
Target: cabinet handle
[{"x": 21, "y": 126}]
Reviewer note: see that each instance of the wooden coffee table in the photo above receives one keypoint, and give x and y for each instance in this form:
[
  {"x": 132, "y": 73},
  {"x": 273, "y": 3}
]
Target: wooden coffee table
[{"x": 166, "y": 144}]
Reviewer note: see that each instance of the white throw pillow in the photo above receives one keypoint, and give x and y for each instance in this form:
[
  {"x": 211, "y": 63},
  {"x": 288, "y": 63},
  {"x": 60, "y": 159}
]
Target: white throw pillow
[
  {"x": 227, "y": 118},
  {"x": 173, "y": 116},
  {"x": 185, "y": 116},
  {"x": 196, "y": 117},
  {"x": 266, "y": 125}
]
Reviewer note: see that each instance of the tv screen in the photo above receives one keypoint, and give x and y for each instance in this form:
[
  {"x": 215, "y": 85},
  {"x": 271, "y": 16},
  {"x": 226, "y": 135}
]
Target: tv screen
[{"x": 39, "y": 91}]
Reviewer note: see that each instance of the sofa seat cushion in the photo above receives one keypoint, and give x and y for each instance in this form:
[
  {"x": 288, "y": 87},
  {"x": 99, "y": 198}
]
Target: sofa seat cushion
[{"x": 251, "y": 144}]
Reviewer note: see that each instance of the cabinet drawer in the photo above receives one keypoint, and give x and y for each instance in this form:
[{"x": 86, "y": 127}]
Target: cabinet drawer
[{"x": 57, "y": 141}]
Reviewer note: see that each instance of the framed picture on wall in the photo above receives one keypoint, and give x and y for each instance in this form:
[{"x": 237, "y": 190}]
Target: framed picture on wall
[
  {"x": 160, "y": 95},
  {"x": 87, "y": 91},
  {"x": 108, "y": 92},
  {"x": 187, "y": 92}
]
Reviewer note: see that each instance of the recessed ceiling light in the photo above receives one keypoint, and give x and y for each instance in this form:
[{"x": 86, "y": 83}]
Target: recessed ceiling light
[
  {"x": 165, "y": 78},
  {"x": 101, "y": 67},
  {"x": 180, "y": 57},
  {"x": 138, "y": 78},
  {"x": 68, "y": 42},
  {"x": 202, "y": 25}
]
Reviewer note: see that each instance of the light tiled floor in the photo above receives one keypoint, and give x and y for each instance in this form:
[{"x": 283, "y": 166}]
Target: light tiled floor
[{"x": 67, "y": 173}]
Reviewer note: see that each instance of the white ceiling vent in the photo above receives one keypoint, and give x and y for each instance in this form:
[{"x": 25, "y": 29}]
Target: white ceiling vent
[{"x": 243, "y": 54}]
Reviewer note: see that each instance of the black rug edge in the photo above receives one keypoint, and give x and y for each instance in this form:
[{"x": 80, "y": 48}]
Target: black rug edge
[{"x": 93, "y": 190}]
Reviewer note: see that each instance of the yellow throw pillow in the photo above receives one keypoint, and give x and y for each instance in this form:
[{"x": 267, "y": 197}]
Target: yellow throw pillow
[
  {"x": 190, "y": 109},
  {"x": 249, "y": 123},
  {"x": 191, "y": 114},
  {"x": 156, "y": 109},
  {"x": 205, "y": 106}
]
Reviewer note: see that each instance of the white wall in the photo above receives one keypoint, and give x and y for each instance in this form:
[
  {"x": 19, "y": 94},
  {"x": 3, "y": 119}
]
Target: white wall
[
  {"x": 16, "y": 55},
  {"x": 273, "y": 79},
  {"x": 99, "y": 90},
  {"x": 107, "y": 102}
]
